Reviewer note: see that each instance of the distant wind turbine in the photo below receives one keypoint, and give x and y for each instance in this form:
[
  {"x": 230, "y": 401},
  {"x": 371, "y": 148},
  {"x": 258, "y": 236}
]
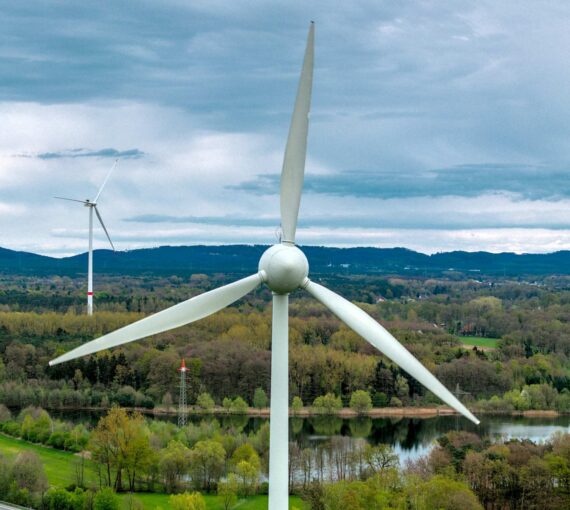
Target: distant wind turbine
[
  {"x": 283, "y": 268},
  {"x": 92, "y": 205}
]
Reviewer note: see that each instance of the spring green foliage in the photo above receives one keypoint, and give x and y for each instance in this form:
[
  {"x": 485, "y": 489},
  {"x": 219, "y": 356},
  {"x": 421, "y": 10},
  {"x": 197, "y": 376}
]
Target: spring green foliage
[
  {"x": 106, "y": 499},
  {"x": 236, "y": 406},
  {"x": 228, "y": 491},
  {"x": 207, "y": 462},
  {"x": 205, "y": 401},
  {"x": 230, "y": 356},
  {"x": 327, "y": 404},
  {"x": 297, "y": 404},
  {"x": 260, "y": 399},
  {"x": 120, "y": 443},
  {"x": 186, "y": 501},
  {"x": 360, "y": 401}
]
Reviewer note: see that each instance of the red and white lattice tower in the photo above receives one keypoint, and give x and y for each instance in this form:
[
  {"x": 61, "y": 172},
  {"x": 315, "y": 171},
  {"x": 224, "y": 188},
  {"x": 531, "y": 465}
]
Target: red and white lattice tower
[{"x": 182, "y": 410}]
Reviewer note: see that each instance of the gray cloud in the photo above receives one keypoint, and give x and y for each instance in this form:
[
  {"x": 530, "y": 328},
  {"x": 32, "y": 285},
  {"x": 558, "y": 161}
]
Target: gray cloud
[
  {"x": 86, "y": 153},
  {"x": 427, "y": 221},
  {"x": 532, "y": 182},
  {"x": 205, "y": 220},
  {"x": 414, "y": 103}
]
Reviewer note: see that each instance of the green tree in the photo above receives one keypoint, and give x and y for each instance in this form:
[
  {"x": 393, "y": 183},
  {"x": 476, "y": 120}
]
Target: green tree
[
  {"x": 245, "y": 452},
  {"x": 239, "y": 406},
  {"x": 174, "y": 464},
  {"x": 379, "y": 458},
  {"x": 445, "y": 494},
  {"x": 228, "y": 491},
  {"x": 106, "y": 499},
  {"x": 248, "y": 475},
  {"x": 260, "y": 399},
  {"x": 205, "y": 401},
  {"x": 186, "y": 501},
  {"x": 207, "y": 460},
  {"x": 28, "y": 473},
  {"x": 360, "y": 401},
  {"x": 328, "y": 403},
  {"x": 297, "y": 404},
  {"x": 121, "y": 444}
]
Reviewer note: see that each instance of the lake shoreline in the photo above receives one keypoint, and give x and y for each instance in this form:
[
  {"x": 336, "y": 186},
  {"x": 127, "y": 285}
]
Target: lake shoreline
[{"x": 344, "y": 413}]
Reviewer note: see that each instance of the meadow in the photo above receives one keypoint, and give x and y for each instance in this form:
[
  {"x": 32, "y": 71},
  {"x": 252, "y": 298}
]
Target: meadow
[{"x": 60, "y": 470}]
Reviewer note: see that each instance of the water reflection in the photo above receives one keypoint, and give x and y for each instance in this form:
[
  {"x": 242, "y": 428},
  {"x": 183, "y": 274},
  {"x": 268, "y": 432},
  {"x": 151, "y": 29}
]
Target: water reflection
[{"x": 410, "y": 437}]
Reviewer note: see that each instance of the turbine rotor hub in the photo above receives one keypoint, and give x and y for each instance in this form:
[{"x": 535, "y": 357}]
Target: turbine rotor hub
[{"x": 285, "y": 267}]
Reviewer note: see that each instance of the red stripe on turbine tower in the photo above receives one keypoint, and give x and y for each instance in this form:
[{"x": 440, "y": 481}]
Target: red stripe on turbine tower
[{"x": 90, "y": 293}]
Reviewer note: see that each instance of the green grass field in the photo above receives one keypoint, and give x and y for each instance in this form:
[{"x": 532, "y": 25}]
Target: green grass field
[
  {"x": 59, "y": 465},
  {"x": 60, "y": 470},
  {"x": 478, "y": 341},
  {"x": 151, "y": 501}
]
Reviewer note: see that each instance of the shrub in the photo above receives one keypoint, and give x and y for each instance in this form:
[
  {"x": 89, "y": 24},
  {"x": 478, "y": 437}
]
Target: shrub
[
  {"x": 228, "y": 491},
  {"x": 5, "y": 414},
  {"x": 186, "y": 501},
  {"x": 239, "y": 406},
  {"x": 205, "y": 401},
  {"x": 297, "y": 404},
  {"x": 260, "y": 399},
  {"x": 12, "y": 428},
  {"x": 380, "y": 399},
  {"x": 126, "y": 396},
  {"x": 395, "y": 402},
  {"x": 360, "y": 401},
  {"x": 106, "y": 499},
  {"x": 328, "y": 403},
  {"x": 58, "y": 439}
]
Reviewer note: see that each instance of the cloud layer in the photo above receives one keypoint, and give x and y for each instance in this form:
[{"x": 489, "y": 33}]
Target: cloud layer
[{"x": 434, "y": 125}]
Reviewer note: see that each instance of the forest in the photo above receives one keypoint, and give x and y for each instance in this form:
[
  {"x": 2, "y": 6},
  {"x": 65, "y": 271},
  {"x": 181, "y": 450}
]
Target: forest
[
  {"x": 229, "y": 353},
  {"x": 501, "y": 344}
]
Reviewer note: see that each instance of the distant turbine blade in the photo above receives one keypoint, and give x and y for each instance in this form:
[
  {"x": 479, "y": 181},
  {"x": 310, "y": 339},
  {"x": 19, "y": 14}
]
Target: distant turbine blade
[
  {"x": 105, "y": 181},
  {"x": 178, "y": 315},
  {"x": 103, "y": 225},
  {"x": 293, "y": 171},
  {"x": 374, "y": 333},
  {"x": 72, "y": 200}
]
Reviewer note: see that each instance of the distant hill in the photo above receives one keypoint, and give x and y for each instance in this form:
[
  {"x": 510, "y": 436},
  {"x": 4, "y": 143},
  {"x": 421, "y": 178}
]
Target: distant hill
[{"x": 184, "y": 260}]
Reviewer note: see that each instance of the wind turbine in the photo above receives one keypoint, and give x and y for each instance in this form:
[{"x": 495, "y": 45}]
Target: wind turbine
[
  {"x": 283, "y": 268},
  {"x": 92, "y": 205}
]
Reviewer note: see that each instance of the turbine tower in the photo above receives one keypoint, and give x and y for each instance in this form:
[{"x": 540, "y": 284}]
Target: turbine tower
[
  {"x": 283, "y": 268},
  {"x": 182, "y": 410},
  {"x": 92, "y": 205}
]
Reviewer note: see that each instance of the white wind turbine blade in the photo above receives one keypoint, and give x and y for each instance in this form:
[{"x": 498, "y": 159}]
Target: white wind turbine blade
[
  {"x": 103, "y": 225},
  {"x": 105, "y": 181},
  {"x": 178, "y": 315},
  {"x": 72, "y": 200},
  {"x": 375, "y": 334},
  {"x": 293, "y": 171}
]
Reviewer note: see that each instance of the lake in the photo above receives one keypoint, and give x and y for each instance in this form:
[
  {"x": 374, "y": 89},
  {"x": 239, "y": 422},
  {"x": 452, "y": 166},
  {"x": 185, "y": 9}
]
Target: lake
[{"x": 410, "y": 437}]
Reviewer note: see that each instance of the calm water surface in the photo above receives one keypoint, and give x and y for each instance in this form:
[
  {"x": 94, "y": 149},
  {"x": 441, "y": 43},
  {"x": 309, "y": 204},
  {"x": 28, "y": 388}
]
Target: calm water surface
[{"x": 410, "y": 437}]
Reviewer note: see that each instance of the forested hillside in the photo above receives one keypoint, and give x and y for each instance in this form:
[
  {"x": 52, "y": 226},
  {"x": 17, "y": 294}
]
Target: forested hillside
[
  {"x": 523, "y": 364},
  {"x": 185, "y": 260}
]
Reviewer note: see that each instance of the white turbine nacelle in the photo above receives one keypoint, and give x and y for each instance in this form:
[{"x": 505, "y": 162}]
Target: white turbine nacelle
[{"x": 284, "y": 268}]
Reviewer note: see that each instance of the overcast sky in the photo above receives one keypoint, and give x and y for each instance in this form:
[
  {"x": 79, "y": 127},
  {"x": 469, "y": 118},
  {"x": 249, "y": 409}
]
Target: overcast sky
[{"x": 435, "y": 125}]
